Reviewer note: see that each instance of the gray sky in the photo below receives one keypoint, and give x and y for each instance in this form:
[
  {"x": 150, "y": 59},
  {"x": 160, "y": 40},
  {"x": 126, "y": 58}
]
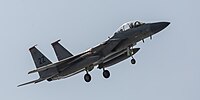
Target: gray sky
[{"x": 167, "y": 67}]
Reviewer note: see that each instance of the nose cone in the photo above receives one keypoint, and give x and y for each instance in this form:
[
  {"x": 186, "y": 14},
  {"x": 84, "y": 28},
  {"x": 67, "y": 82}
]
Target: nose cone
[{"x": 157, "y": 27}]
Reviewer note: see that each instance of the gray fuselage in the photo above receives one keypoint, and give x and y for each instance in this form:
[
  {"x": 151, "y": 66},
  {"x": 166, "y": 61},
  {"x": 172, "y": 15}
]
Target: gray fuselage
[{"x": 101, "y": 52}]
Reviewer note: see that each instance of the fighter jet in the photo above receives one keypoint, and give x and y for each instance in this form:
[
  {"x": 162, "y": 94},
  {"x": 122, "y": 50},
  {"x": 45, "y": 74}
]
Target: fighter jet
[{"x": 112, "y": 51}]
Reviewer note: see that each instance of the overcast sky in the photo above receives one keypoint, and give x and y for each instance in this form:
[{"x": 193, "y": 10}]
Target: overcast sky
[{"x": 167, "y": 67}]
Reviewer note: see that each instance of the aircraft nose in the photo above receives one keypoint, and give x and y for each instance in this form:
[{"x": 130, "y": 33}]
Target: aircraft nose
[{"x": 157, "y": 27}]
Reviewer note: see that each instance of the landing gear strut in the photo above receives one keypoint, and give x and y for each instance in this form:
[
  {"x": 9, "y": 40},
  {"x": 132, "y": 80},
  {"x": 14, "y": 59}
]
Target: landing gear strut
[
  {"x": 151, "y": 37},
  {"x": 133, "y": 61},
  {"x": 106, "y": 73}
]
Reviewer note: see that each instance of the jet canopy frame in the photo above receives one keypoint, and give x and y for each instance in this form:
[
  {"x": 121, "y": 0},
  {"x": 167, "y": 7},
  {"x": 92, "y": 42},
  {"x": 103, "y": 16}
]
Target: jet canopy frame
[{"x": 129, "y": 25}]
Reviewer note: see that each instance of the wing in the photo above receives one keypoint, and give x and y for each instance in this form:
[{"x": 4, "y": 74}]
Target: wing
[
  {"x": 107, "y": 47},
  {"x": 74, "y": 73}
]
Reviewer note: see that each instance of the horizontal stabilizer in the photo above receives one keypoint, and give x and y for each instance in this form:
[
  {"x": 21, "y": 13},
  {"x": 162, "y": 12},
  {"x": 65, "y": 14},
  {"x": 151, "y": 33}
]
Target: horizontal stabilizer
[
  {"x": 44, "y": 67},
  {"x": 34, "y": 81},
  {"x": 53, "y": 65},
  {"x": 38, "y": 80}
]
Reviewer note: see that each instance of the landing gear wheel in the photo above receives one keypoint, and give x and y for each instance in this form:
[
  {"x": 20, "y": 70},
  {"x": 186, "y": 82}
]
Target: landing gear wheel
[
  {"x": 49, "y": 79},
  {"x": 133, "y": 61},
  {"x": 106, "y": 74},
  {"x": 87, "y": 77}
]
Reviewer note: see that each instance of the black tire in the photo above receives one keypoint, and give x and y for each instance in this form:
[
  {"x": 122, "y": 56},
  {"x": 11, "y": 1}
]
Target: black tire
[
  {"x": 133, "y": 61},
  {"x": 49, "y": 79},
  {"x": 87, "y": 77},
  {"x": 106, "y": 74}
]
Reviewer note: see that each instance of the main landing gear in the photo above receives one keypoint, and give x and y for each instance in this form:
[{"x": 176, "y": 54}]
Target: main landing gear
[
  {"x": 106, "y": 73},
  {"x": 87, "y": 76}
]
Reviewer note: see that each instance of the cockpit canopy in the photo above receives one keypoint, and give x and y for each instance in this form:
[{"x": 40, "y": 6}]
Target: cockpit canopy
[{"x": 129, "y": 25}]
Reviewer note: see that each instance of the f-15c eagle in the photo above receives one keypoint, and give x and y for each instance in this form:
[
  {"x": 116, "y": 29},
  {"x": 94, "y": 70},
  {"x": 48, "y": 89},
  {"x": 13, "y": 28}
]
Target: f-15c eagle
[{"x": 114, "y": 50}]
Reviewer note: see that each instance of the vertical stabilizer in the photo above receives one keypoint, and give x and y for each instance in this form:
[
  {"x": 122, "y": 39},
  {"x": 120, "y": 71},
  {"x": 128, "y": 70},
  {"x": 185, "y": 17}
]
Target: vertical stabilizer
[
  {"x": 60, "y": 51},
  {"x": 41, "y": 60}
]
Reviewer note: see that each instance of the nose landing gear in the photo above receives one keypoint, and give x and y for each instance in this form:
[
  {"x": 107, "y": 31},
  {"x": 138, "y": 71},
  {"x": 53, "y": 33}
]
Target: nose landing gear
[
  {"x": 151, "y": 37},
  {"x": 130, "y": 52},
  {"x": 133, "y": 61}
]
